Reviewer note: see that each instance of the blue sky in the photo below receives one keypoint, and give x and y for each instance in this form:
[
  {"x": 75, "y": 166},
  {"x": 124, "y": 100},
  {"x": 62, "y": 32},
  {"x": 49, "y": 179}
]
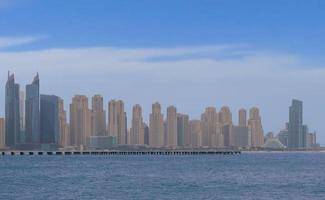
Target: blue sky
[{"x": 189, "y": 53}]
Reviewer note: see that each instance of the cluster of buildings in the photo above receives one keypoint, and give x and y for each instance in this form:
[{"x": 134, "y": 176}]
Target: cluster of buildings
[
  {"x": 33, "y": 121},
  {"x": 296, "y": 135}
]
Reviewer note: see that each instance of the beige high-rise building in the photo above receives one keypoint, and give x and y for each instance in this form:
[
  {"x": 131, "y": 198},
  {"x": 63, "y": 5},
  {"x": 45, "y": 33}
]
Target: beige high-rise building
[
  {"x": 242, "y": 119},
  {"x": 171, "y": 132},
  {"x": 98, "y": 126},
  {"x": 116, "y": 121},
  {"x": 225, "y": 122},
  {"x": 156, "y": 126},
  {"x": 137, "y": 130},
  {"x": 195, "y": 133},
  {"x": 2, "y": 133},
  {"x": 211, "y": 130},
  {"x": 64, "y": 126},
  {"x": 225, "y": 116},
  {"x": 80, "y": 121},
  {"x": 255, "y": 127}
]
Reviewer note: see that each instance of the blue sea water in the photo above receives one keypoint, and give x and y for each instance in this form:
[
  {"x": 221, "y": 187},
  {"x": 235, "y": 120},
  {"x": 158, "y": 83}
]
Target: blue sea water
[{"x": 246, "y": 176}]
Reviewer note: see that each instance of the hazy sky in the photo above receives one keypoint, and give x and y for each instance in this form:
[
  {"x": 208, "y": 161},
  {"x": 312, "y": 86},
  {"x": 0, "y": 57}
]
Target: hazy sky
[{"x": 191, "y": 54}]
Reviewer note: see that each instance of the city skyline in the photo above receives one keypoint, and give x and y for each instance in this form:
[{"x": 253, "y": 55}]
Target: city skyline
[
  {"x": 137, "y": 45},
  {"x": 47, "y": 124}
]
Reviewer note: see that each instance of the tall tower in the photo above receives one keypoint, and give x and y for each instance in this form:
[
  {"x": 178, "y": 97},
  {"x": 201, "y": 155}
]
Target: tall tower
[
  {"x": 64, "y": 126},
  {"x": 12, "y": 133},
  {"x": 116, "y": 121},
  {"x": 32, "y": 112},
  {"x": 99, "y": 116},
  {"x": 137, "y": 130},
  {"x": 242, "y": 121},
  {"x": 195, "y": 133},
  {"x": 211, "y": 133},
  {"x": 183, "y": 134},
  {"x": 80, "y": 126},
  {"x": 171, "y": 132},
  {"x": 296, "y": 134},
  {"x": 50, "y": 123},
  {"x": 256, "y": 129},
  {"x": 156, "y": 126},
  {"x": 22, "y": 116},
  {"x": 225, "y": 121},
  {"x": 225, "y": 116}
]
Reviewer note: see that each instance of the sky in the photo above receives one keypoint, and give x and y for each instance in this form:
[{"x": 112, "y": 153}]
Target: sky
[{"x": 187, "y": 53}]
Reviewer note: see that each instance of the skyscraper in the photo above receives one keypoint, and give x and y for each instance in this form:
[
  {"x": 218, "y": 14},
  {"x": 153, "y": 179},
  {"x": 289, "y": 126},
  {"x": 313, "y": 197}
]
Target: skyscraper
[
  {"x": 12, "y": 133},
  {"x": 211, "y": 131},
  {"x": 99, "y": 116},
  {"x": 116, "y": 121},
  {"x": 255, "y": 127},
  {"x": 225, "y": 116},
  {"x": 183, "y": 134},
  {"x": 156, "y": 126},
  {"x": 80, "y": 126},
  {"x": 296, "y": 135},
  {"x": 50, "y": 122},
  {"x": 242, "y": 121},
  {"x": 195, "y": 133},
  {"x": 225, "y": 121},
  {"x": 2, "y": 133},
  {"x": 171, "y": 131},
  {"x": 32, "y": 112},
  {"x": 146, "y": 133},
  {"x": 137, "y": 129},
  {"x": 64, "y": 126},
  {"x": 22, "y": 116}
]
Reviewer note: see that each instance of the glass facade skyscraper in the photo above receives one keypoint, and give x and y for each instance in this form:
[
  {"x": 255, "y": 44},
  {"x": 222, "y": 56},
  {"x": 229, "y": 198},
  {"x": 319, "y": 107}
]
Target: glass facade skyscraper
[
  {"x": 296, "y": 134},
  {"x": 12, "y": 127},
  {"x": 50, "y": 127},
  {"x": 32, "y": 112}
]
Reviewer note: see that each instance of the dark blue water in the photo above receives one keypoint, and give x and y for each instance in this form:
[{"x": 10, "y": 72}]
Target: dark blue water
[{"x": 246, "y": 176}]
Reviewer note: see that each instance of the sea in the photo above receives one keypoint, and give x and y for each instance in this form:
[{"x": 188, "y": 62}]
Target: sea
[{"x": 262, "y": 175}]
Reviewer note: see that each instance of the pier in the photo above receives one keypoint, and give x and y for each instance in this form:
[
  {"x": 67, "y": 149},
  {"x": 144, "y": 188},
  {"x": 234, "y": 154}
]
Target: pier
[{"x": 112, "y": 153}]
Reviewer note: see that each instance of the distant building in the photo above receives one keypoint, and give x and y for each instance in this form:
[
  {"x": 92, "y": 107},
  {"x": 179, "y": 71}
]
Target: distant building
[
  {"x": 32, "y": 112},
  {"x": 12, "y": 112},
  {"x": 137, "y": 130},
  {"x": 273, "y": 144},
  {"x": 2, "y": 133},
  {"x": 225, "y": 121},
  {"x": 101, "y": 142},
  {"x": 256, "y": 129},
  {"x": 311, "y": 140},
  {"x": 183, "y": 133},
  {"x": 98, "y": 116},
  {"x": 242, "y": 118},
  {"x": 146, "y": 133},
  {"x": 283, "y": 136},
  {"x": 64, "y": 126},
  {"x": 22, "y": 116},
  {"x": 195, "y": 133},
  {"x": 117, "y": 121},
  {"x": 156, "y": 126},
  {"x": 211, "y": 131},
  {"x": 297, "y": 137},
  {"x": 241, "y": 136},
  {"x": 50, "y": 119},
  {"x": 80, "y": 124},
  {"x": 171, "y": 134}
]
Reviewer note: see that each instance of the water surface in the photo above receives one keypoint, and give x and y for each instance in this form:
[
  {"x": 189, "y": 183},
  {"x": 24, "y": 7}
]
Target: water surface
[{"x": 246, "y": 176}]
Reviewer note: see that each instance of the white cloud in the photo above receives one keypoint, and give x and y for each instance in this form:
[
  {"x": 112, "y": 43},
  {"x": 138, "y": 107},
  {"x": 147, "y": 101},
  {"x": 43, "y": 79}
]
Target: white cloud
[
  {"x": 189, "y": 77},
  {"x": 6, "y": 42}
]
